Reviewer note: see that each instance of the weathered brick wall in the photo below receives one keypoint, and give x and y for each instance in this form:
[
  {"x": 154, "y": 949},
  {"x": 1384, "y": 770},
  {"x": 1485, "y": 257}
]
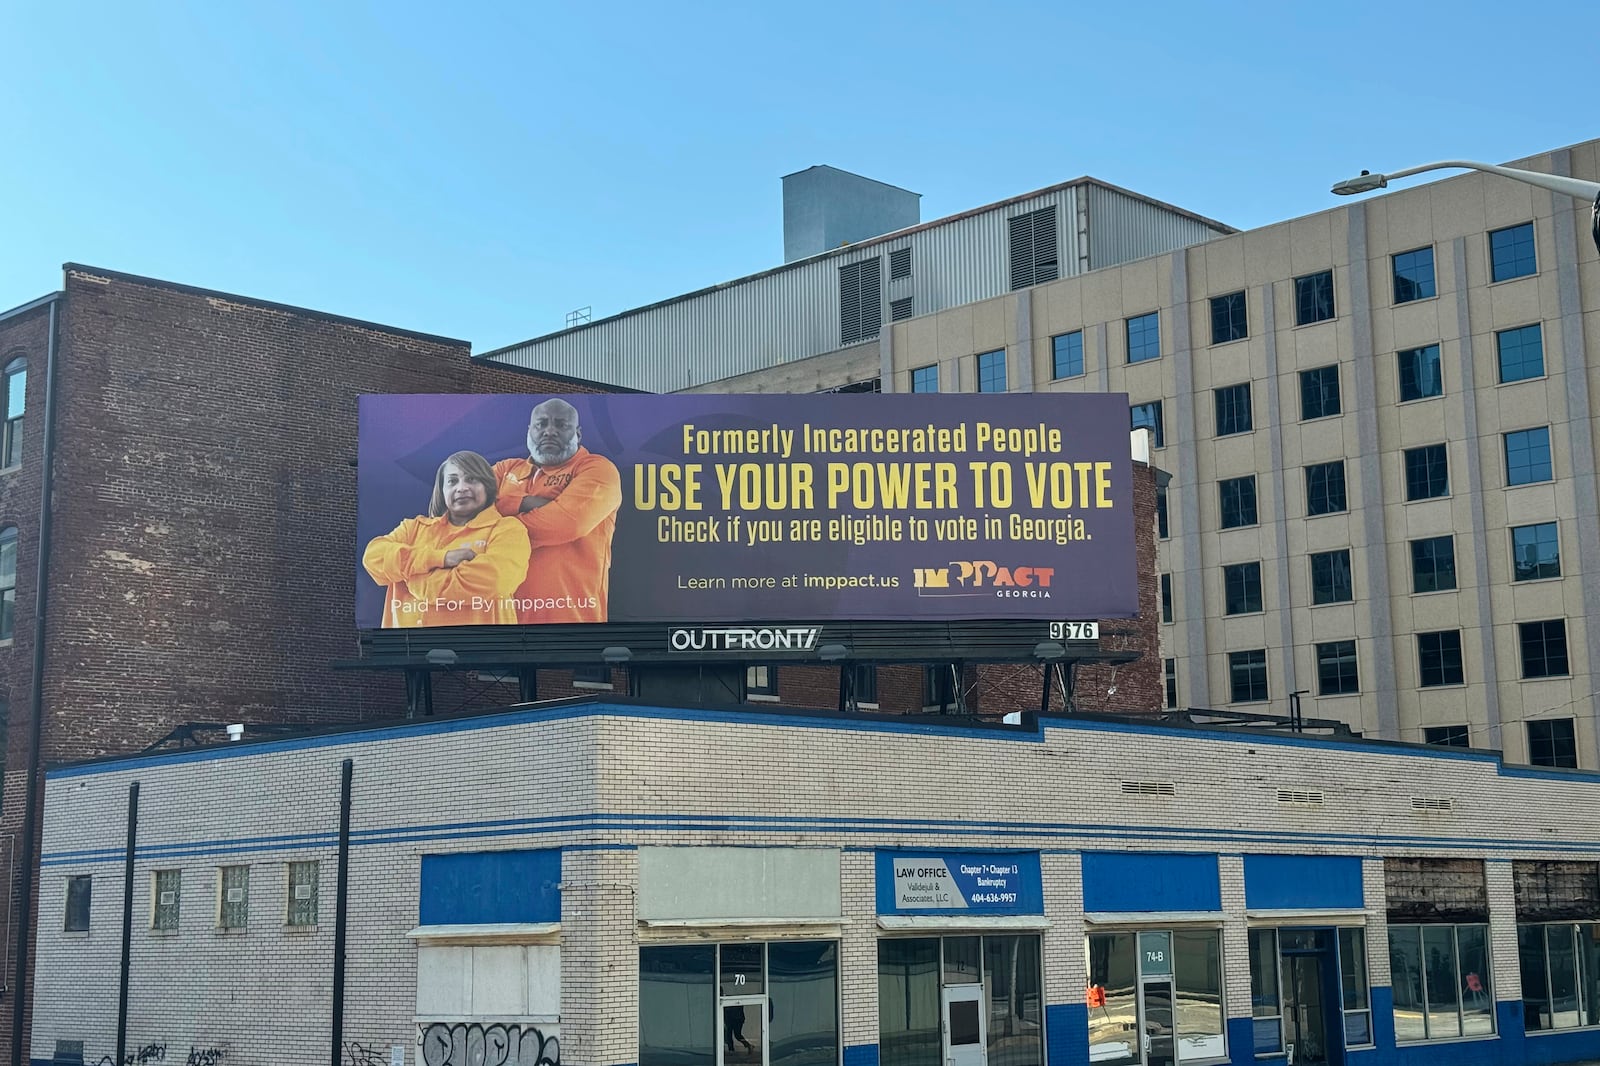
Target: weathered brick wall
[{"x": 201, "y": 565}]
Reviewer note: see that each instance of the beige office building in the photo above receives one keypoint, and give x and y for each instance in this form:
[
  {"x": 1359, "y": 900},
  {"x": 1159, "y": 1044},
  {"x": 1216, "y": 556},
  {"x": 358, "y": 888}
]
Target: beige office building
[{"x": 1379, "y": 425}]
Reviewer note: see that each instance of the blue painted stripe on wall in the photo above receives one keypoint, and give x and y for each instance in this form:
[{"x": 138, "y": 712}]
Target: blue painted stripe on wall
[
  {"x": 800, "y": 721},
  {"x": 690, "y": 823},
  {"x": 1150, "y": 881},
  {"x": 861, "y": 1055},
  {"x": 1283, "y": 882},
  {"x": 1066, "y": 1034}
]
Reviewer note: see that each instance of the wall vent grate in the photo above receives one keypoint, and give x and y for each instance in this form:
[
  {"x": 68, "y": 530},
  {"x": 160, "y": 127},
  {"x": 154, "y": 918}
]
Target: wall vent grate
[
  {"x": 1433, "y": 803},
  {"x": 1300, "y": 797},
  {"x": 1149, "y": 788}
]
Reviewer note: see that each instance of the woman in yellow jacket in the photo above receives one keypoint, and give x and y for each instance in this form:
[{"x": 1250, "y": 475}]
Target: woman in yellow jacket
[{"x": 458, "y": 566}]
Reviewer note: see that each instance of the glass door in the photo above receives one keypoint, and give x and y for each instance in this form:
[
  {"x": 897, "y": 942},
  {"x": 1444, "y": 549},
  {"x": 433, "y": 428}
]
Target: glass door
[
  {"x": 964, "y": 1038},
  {"x": 744, "y": 1031},
  {"x": 1305, "y": 1011}
]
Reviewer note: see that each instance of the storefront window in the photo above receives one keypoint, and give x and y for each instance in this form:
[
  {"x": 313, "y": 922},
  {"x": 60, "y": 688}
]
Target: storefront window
[
  {"x": 1113, "y": 1005},
  {"x": 1441, "y": 981},
  {"x": 803, "y": 1003},
  {"x": 1015, "y": 995},
  {"x": 911, "y": 973},
  {"x": 1560, "y": 975},
  {"x": 1197, "y": 969},
  {"x": 677, "y": 1006},
  {"x": 908, "y": 1002},
  {"x": 1353, "y": 987},
  {"x": 1266, "y": 1003},
  {"x": 741, "y": 971}
]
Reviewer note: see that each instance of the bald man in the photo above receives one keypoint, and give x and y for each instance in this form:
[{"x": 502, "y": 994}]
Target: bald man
[{"x": 567, "y": 498}]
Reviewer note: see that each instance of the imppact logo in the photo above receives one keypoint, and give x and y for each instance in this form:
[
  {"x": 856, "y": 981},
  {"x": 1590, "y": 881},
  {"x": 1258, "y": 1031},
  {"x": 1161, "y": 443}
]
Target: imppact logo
[{"x": 984, "y": 577}]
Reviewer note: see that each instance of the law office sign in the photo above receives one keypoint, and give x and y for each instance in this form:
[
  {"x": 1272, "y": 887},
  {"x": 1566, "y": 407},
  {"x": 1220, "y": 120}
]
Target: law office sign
[{"x": 959, "y": 882}]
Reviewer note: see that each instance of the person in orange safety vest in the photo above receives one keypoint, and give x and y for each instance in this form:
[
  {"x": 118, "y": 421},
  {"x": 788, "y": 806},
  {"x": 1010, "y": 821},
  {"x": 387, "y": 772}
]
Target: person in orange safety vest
[
  {"x": 459, "y": 564},
  {"x": 567, "y": 498}
]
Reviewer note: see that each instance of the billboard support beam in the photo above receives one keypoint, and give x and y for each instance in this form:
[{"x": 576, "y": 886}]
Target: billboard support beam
[
  {"x": 528, "y": 685},
  {"x": 419, "y": 693}
]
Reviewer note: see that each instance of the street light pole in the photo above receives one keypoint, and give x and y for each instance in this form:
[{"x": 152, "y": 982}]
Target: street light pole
[{"x": 1576, "y": 188}]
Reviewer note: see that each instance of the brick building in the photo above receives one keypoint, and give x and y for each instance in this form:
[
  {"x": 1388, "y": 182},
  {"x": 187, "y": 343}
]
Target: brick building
[
  {"x": 202, "y": 477},
  {"x": 202, "y": 485}
]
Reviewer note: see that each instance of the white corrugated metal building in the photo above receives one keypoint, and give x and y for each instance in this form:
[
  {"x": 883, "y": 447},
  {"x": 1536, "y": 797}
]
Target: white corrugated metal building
[{"x": 839, "y": 297}]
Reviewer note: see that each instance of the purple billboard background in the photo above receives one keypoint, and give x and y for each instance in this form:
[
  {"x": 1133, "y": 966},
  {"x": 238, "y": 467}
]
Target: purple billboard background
[{"x": 403, "y": 439}]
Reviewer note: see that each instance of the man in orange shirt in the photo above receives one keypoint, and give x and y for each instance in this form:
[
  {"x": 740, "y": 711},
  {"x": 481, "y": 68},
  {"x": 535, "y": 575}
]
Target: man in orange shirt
[{"x": 567, "y": 498}]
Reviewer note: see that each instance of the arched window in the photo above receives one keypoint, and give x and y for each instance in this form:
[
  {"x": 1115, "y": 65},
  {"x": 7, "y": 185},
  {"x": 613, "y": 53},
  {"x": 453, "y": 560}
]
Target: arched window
[
  {"x": 16, "y": 400},
  {"x": 8, "y": 579}
]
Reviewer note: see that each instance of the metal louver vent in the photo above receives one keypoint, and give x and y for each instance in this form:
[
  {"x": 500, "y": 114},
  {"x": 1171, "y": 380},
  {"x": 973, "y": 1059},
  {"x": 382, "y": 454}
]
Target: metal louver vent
[
  {"x": 899, "y": 309},
  {"x": 899, "y": 264},
  {"x": 1149, "y": 788},
  {"x": 1300, "y": 797},
  {"x": 1433, "y": 803},
  {"x": 860, "y": 301},
  {"x": 1033, "y": 248}
]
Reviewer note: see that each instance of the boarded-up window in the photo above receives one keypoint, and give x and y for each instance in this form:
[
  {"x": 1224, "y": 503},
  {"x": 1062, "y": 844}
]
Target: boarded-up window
[
  {"x": 1436, "y": 890},
  {"x": 1557, "y": 891}
]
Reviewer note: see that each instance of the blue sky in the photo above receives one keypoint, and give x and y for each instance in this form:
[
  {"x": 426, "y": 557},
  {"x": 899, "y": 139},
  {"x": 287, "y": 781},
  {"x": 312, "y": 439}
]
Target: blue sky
[{"x": 480, "y": 174}]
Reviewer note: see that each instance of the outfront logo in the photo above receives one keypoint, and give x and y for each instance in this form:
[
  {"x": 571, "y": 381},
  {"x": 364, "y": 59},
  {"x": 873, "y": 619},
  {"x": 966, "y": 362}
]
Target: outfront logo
[
  {"x": 745, "y": 638},
  {"x": 984, "y": 577}
]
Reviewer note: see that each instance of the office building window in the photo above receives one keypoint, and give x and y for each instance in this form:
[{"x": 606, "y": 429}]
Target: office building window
[
  {"x": 992, "y": 371},
  {"x": 8, "y": 582},
  {"x": 1330, "y": 577},
  {"x": 79, "y": 892},
  {"x": 1439, "y": 659},
  {"x": 860, "y": 301},
  {"x": 761, "y": 681},
  {"x": 1169, "y": 672},
  {"x": 864, "y": 683},
  {"x": 1325, "y": 488},
  {"x": 925, "y": 379},
  {"x": 1521, "y": 353},
  {"x": 939, "y": 685},
  {"x": 1413, "y": 275},
  {"x": 1033, "y": 248},
  {"x": 1433, "y": 564},
  {"x": 233, "y": 897},
  {"x": 1247, "y": 676},
  {"x": 16, "y": 400},
  {"x": 166, "y": 887},
  {"x": 1441, "y": 982},
  {"x": 1238, "y": 501},
  {"x": 1427, "y": 472},
  {"x": 1228, "y": 321},
  {"x": 1241, "y": 588},
  {"x": 1313, "y": 298},
  {"x": 1163, "y": 529},
  {"x": 1148, "y": 416},
  {"x": 1067, "y": 354},
  {"x": 1535, "y": 552},
  {"x": 1447, "y": 736},
  {"x": 1166, "y": 598},
  {"x": 1144, "y": 337},
  {"x": 1553, "y": 742},
  {"x": 1528, "y": 456},
  {"x": 1319, "y": 392},
  {"x": 1233, "y": 409},
  {"x": 1336, "y": 668},
  {"x": 303, "y": 882},
  {"x": 1511, "y": 252},
  {"x": 591, "y": 677},
  {"x": 1544, "y": 648},
  {"x": 1420, "y": 375}
]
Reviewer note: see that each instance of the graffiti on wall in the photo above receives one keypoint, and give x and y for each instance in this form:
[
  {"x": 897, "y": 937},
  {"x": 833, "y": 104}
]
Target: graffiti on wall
[
  {"x": 471, "y": 1044},
  {"x": 157, "y": 1053}
]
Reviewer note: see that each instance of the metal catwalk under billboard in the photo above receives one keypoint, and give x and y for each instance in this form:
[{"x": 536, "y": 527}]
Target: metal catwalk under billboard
[{"x": 522, "y": 510}]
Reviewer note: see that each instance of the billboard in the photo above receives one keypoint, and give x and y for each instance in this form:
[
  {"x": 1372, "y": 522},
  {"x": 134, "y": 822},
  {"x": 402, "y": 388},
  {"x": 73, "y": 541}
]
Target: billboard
[{"x": 528, "y": 510}]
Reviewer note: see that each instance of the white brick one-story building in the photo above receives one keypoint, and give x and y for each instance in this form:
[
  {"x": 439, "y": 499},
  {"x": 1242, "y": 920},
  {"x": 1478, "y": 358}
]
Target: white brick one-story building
[{"x": 608, "y": 883}]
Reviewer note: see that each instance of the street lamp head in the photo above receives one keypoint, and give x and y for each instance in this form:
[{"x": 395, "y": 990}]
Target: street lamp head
[{"x": 1366, "y": 182}]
